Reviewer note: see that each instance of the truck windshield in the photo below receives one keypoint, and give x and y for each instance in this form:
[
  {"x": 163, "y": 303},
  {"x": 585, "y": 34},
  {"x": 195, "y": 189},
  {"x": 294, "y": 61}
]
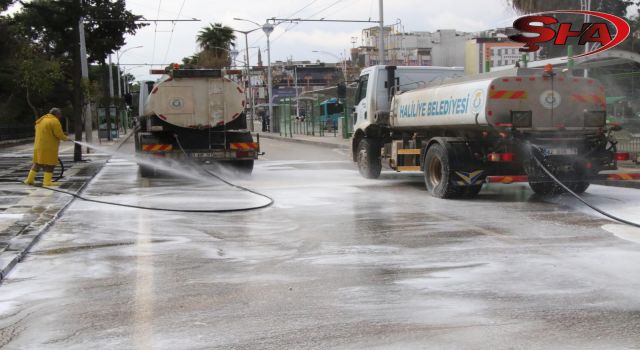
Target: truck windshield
[{"x": 362, "y": 88}]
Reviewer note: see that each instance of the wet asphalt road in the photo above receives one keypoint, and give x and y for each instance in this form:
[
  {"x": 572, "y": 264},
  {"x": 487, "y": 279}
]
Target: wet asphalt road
[{"x": 338, "y": 262}]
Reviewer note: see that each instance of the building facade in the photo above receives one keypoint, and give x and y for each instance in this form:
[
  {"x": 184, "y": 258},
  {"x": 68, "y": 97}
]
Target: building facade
[
  {"x": 445, "y": 47},
  {"x": 482, "y": 54}
]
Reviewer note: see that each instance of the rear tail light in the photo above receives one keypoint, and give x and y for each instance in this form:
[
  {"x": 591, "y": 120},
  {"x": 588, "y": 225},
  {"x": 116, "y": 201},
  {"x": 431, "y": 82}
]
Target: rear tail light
[
  {"x": 621, "y": 156},
  {"x": 506, "y": 157},
  {"x": 500, "y": 157}
]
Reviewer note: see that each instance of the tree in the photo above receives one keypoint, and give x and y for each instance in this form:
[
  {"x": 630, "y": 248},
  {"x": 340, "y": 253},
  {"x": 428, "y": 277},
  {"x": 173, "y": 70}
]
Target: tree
[
  {"x": 614, "y": 7},
  {"x": 38, "y": 76},
  {"x": 214, "y": 41},
  {"x": 52, "y": 26},
  {"x": 4, "y": 4}
]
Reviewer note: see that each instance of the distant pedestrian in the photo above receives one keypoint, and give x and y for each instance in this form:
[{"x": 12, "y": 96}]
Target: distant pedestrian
[
  {"x": 45, "y": 149},
  {"x": 265, "y": 121}
]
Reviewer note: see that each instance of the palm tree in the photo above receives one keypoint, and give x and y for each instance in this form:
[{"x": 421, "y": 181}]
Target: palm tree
[
  {"x": 214, "y": 41},
  {"x": 531, "y": 6}
]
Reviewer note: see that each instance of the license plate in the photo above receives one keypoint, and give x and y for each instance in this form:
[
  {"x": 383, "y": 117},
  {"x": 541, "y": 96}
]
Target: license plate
[
  {"x": 212, "y": 155},
  {"x": 201, "y": 155},
  {"x": 562, "y": 151}
]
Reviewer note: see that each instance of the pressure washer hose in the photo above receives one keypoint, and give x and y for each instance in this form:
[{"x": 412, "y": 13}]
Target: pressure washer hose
[{"x": 564, "y": 187}]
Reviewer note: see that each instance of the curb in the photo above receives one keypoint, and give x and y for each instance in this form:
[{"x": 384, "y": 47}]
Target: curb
[
  {"x": 35, "y": 236},
  {"x": 9, "y": 143},
  {"x": 623, "y": 184},
  {"x": 308, "y": 142}
]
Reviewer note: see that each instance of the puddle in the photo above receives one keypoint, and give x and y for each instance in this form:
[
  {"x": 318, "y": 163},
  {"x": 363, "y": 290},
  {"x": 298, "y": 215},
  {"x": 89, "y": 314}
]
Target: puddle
[
  {"x": 11, "y": 216},
  {"x": 626, "y": 232}
]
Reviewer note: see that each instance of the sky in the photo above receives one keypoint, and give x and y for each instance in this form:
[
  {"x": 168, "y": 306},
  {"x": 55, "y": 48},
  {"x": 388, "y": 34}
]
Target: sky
[{"x": 169, "y": 42}]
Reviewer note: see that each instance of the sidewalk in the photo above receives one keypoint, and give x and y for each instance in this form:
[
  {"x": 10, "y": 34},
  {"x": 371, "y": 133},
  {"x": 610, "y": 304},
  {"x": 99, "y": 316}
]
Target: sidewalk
[
  {"x": 623, "y": 168},
  {"x": 27, "y": 212},
  {"x": 328, "y": 140}
]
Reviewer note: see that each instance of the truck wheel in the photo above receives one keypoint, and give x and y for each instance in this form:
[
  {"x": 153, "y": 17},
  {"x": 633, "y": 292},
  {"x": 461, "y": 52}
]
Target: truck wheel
[
  {"x": 471, "y": 191},
  {"x": 368, "y": 159},
  {"x": 545, "y": 188},
  {"x": 437, "y": 174},
  {"x": 244, "y": 167},
  {"x": 578, "y": 187}
]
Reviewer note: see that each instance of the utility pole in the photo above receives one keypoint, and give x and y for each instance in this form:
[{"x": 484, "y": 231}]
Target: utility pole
[
  {"x": 248, "y": 75},
  {"x": 381, "y": 38},
  {"x": 295, "y": 76},
  {"x": 77, "y": 86},
  {"x": 109, "y": 99},
  {"x": 267, "y": 28},
  {"x": 88, "y": 127},
  {"x": 586, "y": 5}
]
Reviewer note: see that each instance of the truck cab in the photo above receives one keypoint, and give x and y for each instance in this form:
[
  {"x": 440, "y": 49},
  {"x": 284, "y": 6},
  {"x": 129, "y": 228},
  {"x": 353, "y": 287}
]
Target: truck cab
[{"x": 373, "y": 94}]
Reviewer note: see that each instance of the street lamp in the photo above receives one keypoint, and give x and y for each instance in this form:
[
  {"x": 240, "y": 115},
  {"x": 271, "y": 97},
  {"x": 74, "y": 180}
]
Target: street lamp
[
  {"x": 118, "y": 56},
  {"x": 248, "y": 74},
  {"x": 267, "y": 28},
  {"x": 126, "y": 71},
  {"x": 343, "y": 62}
]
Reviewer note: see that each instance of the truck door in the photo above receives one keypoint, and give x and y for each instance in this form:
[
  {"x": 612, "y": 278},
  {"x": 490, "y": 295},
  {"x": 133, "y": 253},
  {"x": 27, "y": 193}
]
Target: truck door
[{"x": 361, "y": 101}]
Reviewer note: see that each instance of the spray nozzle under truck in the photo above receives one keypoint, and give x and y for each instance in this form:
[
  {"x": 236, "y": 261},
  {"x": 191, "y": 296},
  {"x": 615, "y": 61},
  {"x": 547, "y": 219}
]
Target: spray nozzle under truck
[
  {"x": 199, "y": 112},
  {"x": 463, "y": 132}
]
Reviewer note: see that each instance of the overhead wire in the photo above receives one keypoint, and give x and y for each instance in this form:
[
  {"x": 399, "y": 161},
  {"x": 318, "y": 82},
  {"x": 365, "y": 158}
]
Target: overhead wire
[
  {"x": 309, "y": 17},
  {"x": 173, "y": 27},
  {"x": 155, "y": 33},
  {"x": 291, "y": 25}
]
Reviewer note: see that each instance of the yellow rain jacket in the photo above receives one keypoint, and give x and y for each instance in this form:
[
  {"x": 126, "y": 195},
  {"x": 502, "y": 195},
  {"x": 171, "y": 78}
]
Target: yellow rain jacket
[{"x": 48, "y": 136}]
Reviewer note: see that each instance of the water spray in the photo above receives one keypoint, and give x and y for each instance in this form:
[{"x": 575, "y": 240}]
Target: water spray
[{"x": 151, "y": 163}]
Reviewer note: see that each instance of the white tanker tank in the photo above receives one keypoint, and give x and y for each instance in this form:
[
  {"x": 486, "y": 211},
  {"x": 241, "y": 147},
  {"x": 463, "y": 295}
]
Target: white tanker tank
[
  {"x": 196, "y": 99},
  {"x": 523, "y": 98}
]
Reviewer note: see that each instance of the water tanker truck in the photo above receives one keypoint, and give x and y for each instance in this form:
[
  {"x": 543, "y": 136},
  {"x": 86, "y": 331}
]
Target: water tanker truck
[
  {"x": 467, "y": 131},
  {"x": 195, "y": 113}
]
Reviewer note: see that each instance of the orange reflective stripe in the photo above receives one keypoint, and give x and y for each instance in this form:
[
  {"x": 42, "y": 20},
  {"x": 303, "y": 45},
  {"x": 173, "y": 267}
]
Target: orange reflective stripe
[
  {"x": 579, "y": 98},
  {"x": 510, "y": 95},
  {"x": 498, "y": 94},
  {"x": 518, "y": 95},
  {"x": 157, "y": 147},
  {"x": 244, "y": 146},
  {"x": 632, "y": 176},
  {"x": 599, "y": 99}
]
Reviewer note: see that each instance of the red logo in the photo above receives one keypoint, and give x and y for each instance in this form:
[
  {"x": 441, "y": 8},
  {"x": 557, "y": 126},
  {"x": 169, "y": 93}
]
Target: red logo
[{"x": 597, "y": 32}]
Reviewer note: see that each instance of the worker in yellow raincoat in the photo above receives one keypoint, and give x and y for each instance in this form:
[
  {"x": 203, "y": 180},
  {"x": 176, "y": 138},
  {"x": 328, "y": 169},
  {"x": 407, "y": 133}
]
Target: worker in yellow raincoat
[{"x": 45, "y": 150}]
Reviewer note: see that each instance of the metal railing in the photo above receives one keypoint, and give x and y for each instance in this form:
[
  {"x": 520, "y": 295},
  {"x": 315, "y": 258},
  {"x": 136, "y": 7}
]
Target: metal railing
[
  {"x": 313, "y": 123},
  {"x": 16, "y": 132},
  {"x": 631, "y": 145}
]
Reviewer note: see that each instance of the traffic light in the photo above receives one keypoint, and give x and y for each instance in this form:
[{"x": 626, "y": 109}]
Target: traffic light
[{"x": 342, "y": 90}]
